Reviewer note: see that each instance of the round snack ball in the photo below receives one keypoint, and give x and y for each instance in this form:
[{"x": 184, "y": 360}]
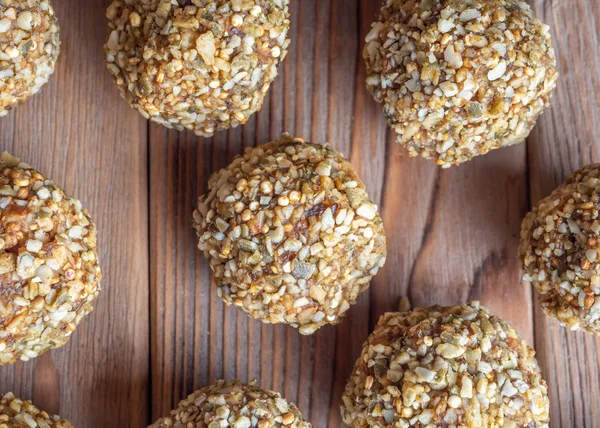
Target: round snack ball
[
  {"x": 29, "y": 47},
  {"x": 291, "y": 234},
  {"x": 454, "y": 366},
  {"x": 16, "y": 413},
  {"x": 459, "y": 78},
  {"x": 48, "y": 263},
  {"x": 233, "y": 404},
  {"x": 196, "y": 64},
  {"x": 560, "y": 251}
]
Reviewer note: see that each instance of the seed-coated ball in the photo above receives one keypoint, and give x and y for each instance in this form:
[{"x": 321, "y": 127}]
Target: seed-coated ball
[
  {"x": 291, "y": 233},
  {"x": 236, "y": 405},
  {"x": 16, "y": 413},
  {"x": 458, "y": 78},
  {"x": 196, "y": 64},
  {"x": 456, "y": 366},
  {"x": 560, "y": 252},
  {"x": 49, "y": 271},
  {"x": 29, "y": 47}
]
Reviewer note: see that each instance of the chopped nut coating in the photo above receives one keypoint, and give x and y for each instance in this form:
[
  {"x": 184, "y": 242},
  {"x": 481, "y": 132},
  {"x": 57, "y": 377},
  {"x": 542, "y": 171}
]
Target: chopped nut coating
[
  {"x": 454, "y": 366},
  {"x": 196, "y": 64},
  {"x": 29, "y": 47},
  {"x": 458, "y": 78},
  {"x": 15, "y": 413},
  {"x": 291, "y": 234},
  {"x": 560, "y": 252},
  {"x": 236, "y": 405},
  {"x": 49, "y": 271}
]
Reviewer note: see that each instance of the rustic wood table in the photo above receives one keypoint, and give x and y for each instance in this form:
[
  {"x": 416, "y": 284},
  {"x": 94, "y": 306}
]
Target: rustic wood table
[{"x": 159, "y": 331}]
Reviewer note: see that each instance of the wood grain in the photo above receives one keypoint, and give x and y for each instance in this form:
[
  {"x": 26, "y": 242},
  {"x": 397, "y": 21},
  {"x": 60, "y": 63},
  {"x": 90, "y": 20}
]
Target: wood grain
[
  {"x": 565, "y": 140},
  {"x": 160, "y": 331},
  {"x": 82, "y": 135}
]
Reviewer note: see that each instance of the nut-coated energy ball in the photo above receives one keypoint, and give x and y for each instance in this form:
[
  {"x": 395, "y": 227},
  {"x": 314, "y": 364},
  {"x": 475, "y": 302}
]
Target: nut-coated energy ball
[
  {"x": 29, "y": 47},
  {"x": 203, "y": 65},
  {"x": 16, "y": 413},
  {"x": 49, "y": 271},
  {"x": 291, "y": 234},
  {"x": 459, "y": 78},
  {"x": 454, "y": 366},
  {"x": 236, "y": 405},
  {"x": 560, "y": 251}
]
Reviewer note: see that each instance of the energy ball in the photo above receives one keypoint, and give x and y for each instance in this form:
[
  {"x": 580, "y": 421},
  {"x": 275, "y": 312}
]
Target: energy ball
[
  {"x": 16, "y": 413},
  {"x": 560, "y": 252},
  {"x": 49, "y": 272},
  {"x": 197, "y": 64},
  {"x": 458, "y": 78},
  {"x": 291, "y": 234},
  {"x": 233, "y": 404},
  {"x": 454, "y": 366},
  {"x": 29, "y": 47}
]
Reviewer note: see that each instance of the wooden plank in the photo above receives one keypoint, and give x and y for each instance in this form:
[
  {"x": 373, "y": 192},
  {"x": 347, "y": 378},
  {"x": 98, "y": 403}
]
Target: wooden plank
[
  {"x": 366, "y": 135},
  {"x": 564, "y": 140},
  {"x": 227, "y": 342},
  {"x": 195, "y": 339},
  {"x": 223, "y": 342},
  {"x": 83, "y": 136}
]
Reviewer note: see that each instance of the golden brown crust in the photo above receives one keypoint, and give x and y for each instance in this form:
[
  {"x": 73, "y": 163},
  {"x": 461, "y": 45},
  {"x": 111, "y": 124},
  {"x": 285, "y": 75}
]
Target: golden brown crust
[
  {"x": 16, "y": 413},
  {"x": 236, "y": 405},
  {"x": 459, "y": 78},
  {"x": 49, "y": 270},
  {"x": 291, "y": 233},
  {"x": 200, "y": 65},
  {"x": 29, "y": 48},
  {"x": 445, "y": 366},
  {"x": 560, "y": 254}
]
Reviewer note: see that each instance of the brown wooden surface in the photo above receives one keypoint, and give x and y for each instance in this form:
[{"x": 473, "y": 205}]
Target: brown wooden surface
[{"x": 159, "y": 331}]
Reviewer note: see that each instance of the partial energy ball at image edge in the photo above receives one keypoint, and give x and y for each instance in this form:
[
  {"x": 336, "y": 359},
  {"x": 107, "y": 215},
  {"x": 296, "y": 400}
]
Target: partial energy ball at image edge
[
  {"x": 233, "y": 404},
  {"x": 29, "y": 48},
  {"x": 559, "y": 251},
  {"x": 445, "y": 366},
  {"x": 49, "y": 267},
  {"x": 16, "y": 413},
  {"x": 456, "y": 79},
  {"x": 197, "y": 65},
  {"x": 291, "y": 233}
]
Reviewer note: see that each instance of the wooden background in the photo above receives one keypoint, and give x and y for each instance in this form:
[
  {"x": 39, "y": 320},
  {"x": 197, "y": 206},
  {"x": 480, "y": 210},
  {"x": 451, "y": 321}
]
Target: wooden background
[{"x": 159, "y": 331}]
